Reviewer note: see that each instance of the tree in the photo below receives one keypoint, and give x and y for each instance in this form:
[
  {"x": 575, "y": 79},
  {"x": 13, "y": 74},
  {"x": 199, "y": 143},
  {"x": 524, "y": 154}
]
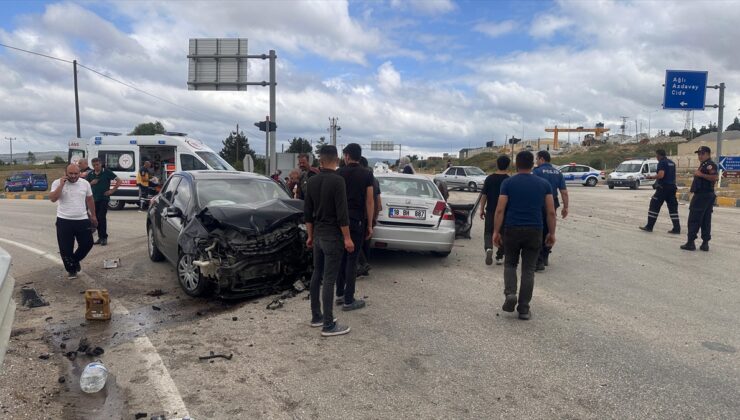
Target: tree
[
  {"x": 58, "y": 159},
  {"x": 300, "y": 145},
  {"x": 735, "y": 126},
  {"x": 236, "y": 146},
  {"x": 674, "y": 133},
  {"x": 148, "y": 129},
  {"x": 31, "y": 158},
  {"x": 319, "y": 145}
]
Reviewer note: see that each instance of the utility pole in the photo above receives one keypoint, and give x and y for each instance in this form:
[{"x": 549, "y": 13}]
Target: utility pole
[
  {"x": 10, "y": 139},
  {"x": 333, "y": 128},
  {"x": 77, "y": 99},
  {"x": 624, "y": 126}
]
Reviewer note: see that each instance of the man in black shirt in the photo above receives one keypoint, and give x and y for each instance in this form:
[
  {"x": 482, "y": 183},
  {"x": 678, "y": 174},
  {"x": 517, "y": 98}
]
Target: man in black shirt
[
  {"x": 325, "y": 211},
  {"x": 701, "y": 207},
  {"x": 363, "y": 266},
  {"x": 361, "y": 210},
  {"x": 665, "y": 191},
  {"x": 489, "y": 199}
]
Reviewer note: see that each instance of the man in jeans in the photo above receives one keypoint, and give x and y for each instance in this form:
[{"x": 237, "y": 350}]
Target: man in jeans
[
  {"x": 327, "y": 225},
  {"x": 99, "y": 180},
  {"x": 73, "y": 197},
  {"x": 489, "y": 200},
  {"x": 361, "y": 210},
  {"x": 520, "y": 204}
]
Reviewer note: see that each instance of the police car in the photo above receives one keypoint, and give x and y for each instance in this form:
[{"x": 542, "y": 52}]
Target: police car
[{"x": 581, "y": 174}]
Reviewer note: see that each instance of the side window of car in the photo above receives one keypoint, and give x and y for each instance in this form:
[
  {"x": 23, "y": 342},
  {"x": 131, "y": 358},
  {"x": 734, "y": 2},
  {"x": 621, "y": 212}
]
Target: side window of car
[
  {"x": 653, "y": 167},
  {"x": 583, "y": 169},
  {"x": 190, "y": 163},
  {"x": 182, "y": 195},
  {"x": 645, "y": 168},
  {"x": 460, "y": 172},
  {"x": 169, "y": 190},
  {"x": 565, "y": 169}
]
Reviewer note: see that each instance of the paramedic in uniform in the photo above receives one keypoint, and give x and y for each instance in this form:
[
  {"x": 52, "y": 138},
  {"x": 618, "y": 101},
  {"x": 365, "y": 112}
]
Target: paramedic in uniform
[
  {"x": 665, "y": 191},
  {"x": 700, "y": 209},
  {"x": 74, "y": 197}
]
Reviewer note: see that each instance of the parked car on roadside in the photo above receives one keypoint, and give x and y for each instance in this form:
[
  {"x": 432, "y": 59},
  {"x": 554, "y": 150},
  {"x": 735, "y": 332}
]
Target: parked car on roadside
[
  {"x": 462, "y": 177},
  {"x": 237, "y": 233},
  {"x": 26, "y": 181},
  {"x": 581, "y": 174},
  {"x": 414, "y": 216},
  {"x": 633, "y": 173}
]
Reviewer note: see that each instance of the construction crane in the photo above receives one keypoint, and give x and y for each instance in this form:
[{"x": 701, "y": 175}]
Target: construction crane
[{"x": 598, "y": 131}]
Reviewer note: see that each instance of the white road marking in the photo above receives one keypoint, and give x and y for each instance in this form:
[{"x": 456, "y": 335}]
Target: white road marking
[{"x": 162, "y": 382}]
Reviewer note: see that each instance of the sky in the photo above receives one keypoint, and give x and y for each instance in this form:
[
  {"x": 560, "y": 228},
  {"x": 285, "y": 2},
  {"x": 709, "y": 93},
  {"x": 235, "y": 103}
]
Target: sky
[{"x": 435, "y": 76}]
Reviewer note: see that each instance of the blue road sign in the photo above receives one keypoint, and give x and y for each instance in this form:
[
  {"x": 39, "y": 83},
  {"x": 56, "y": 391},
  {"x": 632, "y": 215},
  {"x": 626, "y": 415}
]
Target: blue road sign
[
  {"x": 685, "y": 89},
  {"x": 729, "y": 163}
]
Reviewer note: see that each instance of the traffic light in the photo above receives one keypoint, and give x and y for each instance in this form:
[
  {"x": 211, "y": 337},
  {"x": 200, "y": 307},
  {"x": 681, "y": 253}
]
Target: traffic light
[{"x": 262, "y": 125}]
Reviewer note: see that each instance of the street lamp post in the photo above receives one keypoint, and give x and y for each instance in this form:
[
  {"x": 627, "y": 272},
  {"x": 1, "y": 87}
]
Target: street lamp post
[{"x": 10, "y": 139}]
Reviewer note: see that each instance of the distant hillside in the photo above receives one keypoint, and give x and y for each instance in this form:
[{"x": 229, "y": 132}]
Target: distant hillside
[{"x": 40, "y": 156}]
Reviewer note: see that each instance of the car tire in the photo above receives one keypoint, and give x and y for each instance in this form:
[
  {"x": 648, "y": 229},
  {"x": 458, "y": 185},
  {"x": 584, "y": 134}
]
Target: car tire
[
  {"x": 441, "y": 254},
  {"x": 472, "y": 186},
  {"x": 116, "y": 204},
  {"x": 154, "y": 253},
  {"x": 611, "y": 186},
  {"x": 591, "y": 182},
  {"x": 635, "y": 186},
  {"x": 189, "y": 278}
]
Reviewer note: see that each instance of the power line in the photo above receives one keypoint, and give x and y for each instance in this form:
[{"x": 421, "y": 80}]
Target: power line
[{"x": 36, "y": 53}]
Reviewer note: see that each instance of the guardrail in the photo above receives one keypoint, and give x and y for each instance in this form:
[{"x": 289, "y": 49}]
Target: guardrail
[{"x": 7, "y": 304}]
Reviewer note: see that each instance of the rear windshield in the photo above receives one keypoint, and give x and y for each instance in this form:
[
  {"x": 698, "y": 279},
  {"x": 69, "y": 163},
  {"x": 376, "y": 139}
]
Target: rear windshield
[
  {"x": 215, "y": 161},
  {"x": 38, "y": 177},
  {"x": 18, "y": 177},
  {"x": 419, "y": 188},
  {"x": 225, "y": 192},
  {"x": 629, "y": 167}
]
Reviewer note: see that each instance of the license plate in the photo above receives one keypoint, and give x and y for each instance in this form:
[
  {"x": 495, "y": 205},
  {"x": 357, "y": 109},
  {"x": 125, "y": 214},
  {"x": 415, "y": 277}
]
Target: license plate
[{"x": 396, "y": 213}]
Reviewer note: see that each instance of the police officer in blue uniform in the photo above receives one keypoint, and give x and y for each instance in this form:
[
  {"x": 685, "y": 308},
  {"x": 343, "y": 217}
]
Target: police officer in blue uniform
[
  {"x": 702, "y": 203},
  {"x": 556, "y": 180},
  {"x": 665, "y": 191}
]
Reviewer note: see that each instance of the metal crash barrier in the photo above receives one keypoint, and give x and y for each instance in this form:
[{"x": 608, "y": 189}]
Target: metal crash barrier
[{"x": 7, "y": 304}]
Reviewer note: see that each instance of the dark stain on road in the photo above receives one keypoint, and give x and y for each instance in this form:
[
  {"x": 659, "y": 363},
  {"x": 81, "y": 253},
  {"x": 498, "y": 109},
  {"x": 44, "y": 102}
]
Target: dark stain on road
[{"x": 724, "y": 348}]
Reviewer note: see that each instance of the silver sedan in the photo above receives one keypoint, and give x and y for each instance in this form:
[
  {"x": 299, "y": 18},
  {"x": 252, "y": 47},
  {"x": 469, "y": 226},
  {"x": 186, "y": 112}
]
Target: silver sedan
[{"x": 414, "y": 216}]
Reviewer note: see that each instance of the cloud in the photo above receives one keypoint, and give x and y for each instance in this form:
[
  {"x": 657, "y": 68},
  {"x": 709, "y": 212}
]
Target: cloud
[
  {"x": 389, "y": 79},
  {"x": 496, "y": 29},
  {"x": 545, "y": 26},
  {"x": 426, "y": 7}
]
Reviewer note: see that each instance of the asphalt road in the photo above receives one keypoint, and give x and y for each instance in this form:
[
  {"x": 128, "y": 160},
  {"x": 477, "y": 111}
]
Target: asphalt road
[{"x": 625, "y": 325}]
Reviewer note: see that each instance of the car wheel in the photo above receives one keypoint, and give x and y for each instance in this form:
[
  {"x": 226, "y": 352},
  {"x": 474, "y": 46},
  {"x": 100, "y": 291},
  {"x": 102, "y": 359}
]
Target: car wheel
[
  {"x": 441, "y": 254},
  {"x": 154, "y": 253},
  {"x": 611, "y": 186},
  {"x": 116, "y": 204},
  {"x": 591, "y": 182},
  {"x": 472, "y": 186},
  {"x": 635, "y": 186},
  {"x": 188, "y": 275}
]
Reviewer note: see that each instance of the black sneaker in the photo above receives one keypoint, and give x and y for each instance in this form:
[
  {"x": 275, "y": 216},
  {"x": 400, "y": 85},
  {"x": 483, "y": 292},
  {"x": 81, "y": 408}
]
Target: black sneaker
[
  {"x": 71, "y": 275},
  {"x": 646, "y": 229},
  {"x": 78, "y": 267},
  {"x": 97, "y": 242},
  {"x": 675, "y": 231},
  {"x": 103, "y": 242},
  {"x": 357, "y": 304},
  {"x": 689, "y": 246},
  {"x": 540, "y": 266},
  {"x": 525, "y": 315},
  {"x": 319, "y": 322},
  {"x": 546, "y": 259},
  {"x": 489, "y": 256},
  {"x": 335, "y": 330},
  {"x": 499, "y": 260},
  {"x": 509, "y": 303},
  {"x": 339, "y": 301},
  {"x": 704, "y": 246}
]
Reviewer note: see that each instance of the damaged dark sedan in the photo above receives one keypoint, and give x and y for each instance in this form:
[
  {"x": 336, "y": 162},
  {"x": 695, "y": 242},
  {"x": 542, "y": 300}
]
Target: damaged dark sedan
[{"x": 233, "y": 233}]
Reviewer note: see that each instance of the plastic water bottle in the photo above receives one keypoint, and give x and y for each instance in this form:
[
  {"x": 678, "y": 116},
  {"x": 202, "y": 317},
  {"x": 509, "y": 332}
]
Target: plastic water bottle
[{"x": 93, "y": 377}]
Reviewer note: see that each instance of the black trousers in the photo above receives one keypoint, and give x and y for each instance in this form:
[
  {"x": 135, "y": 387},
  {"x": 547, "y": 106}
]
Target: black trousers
[
  {"x": 488, "y": 233},
  {"x": 348, "y": 270},
  {"x": 700, "y": 215},
  {"x": 69, "y": 231},
  {"x": 101, "y": 212},
  {"x": 525, "y": 242},
  {"x": 664, "y": 194}
]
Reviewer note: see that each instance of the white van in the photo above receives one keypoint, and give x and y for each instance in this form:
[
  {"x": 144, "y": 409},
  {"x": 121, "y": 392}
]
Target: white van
[
  {"x": 633, "y": 173},
  {"x": 124, "y": 154}
]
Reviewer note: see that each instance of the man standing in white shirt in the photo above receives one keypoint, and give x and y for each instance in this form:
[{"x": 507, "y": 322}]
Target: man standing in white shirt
[{"x": 73, "y": 196}]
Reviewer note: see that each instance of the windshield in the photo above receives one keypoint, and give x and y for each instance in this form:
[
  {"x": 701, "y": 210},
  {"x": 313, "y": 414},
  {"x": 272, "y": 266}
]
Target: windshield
[
  {"x": 474, "y": 171},
  {"x": 18, "y": 177},
  {"x": 226, "y": 192},
  {"x": 215, "y": 161},
  {"x": 419, "y": 188},
  {"x": 629, "y": 167}
]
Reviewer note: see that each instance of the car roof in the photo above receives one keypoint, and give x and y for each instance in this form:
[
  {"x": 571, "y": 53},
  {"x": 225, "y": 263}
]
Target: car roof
[
  {"x": 398, "y": 175},
  {"x": 210, "y": 174}
]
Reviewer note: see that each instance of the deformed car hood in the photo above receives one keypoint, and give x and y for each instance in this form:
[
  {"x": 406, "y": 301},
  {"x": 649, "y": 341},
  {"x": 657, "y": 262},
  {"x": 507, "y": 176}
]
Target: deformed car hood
[{"x": 252, "y": 219}]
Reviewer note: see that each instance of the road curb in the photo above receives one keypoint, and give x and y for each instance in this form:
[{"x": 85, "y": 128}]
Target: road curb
[
  {"x": 12, "y": 196},
  {"x": 721, "y": 201}
]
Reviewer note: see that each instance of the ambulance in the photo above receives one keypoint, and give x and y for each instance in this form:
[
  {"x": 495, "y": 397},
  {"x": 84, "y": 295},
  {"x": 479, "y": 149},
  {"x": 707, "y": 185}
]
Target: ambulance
[{"x": 125, "y": 154}]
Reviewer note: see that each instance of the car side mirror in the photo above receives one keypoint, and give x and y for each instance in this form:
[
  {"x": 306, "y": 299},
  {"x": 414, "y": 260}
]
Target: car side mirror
[{"x": 173, "y": 212}]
